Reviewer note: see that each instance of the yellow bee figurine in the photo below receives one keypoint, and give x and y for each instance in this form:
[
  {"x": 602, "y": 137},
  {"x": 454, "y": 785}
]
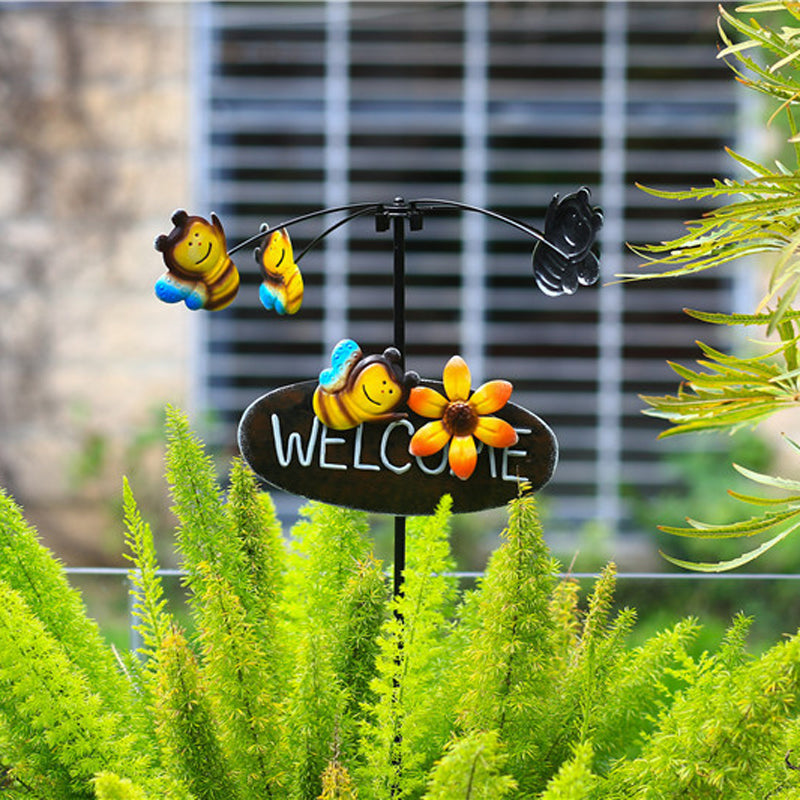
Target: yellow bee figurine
[
  {"x": 199, "y": 270},
  {"x": 358, "y": 389},
  {"x": 282, "y": 287}
]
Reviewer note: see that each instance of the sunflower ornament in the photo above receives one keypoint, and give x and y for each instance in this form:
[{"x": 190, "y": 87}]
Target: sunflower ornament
[{"x": 460, "y": 417}]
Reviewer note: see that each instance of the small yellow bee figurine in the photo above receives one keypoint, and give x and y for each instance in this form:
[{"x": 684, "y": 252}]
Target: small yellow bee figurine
[
  {"x": 282, "y": 287},
  {"x": 199, "y": 270},
  {"x": 358, "y": 389}
]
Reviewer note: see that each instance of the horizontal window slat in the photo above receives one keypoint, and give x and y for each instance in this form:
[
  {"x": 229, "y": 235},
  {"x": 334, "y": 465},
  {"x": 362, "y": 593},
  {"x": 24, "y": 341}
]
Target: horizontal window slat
[{"x": 260, "y": 121}]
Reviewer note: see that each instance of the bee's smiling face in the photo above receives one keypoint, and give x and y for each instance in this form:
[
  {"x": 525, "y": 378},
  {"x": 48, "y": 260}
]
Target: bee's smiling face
[
  {"x": 376, "y": 391},
  {"x": 275, "y": 256},
  {"x": 198, "y": 250}
]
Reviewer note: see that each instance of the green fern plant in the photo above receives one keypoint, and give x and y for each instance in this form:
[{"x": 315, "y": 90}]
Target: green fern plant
[
  {"x": 473, "y": 767},
  {"x": 301, "y": 677},
  {"x": 412, "y": 714}
]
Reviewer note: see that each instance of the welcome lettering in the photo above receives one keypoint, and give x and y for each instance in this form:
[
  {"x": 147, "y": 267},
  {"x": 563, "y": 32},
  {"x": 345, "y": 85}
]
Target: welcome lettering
[{"x": 329, "y": 450}]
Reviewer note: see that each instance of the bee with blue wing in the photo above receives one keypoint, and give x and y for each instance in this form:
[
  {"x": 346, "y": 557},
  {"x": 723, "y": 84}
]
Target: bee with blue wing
[
  {"x": 358, "y": 388},
  {"x": 199, "y": 269},
  {"x": 281, "y": 289}
]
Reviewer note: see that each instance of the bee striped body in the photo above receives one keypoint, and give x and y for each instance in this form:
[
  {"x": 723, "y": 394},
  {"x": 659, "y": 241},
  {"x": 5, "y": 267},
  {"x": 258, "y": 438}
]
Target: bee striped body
[
  {"x": 336, "y": 410},
  {"x": 221, "y": 283},
  {"x": 282, "y": 286}
]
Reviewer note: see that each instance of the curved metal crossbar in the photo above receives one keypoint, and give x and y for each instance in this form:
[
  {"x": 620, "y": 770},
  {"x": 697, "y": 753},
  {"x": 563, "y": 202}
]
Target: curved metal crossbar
[
  {"x": 364, "y": 207},
  {"x": 411, "y": 208},
  {"x": 349, "y": 218},
  {"x": 436, "y": 203}
]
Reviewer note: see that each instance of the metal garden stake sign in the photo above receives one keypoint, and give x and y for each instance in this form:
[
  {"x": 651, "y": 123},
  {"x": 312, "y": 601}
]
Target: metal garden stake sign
[{"x": 366, "y": 432}]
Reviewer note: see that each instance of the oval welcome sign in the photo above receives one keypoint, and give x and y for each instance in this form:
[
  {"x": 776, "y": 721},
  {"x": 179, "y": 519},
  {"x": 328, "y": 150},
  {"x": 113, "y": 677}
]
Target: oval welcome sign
[{"x": 369, "y": 465}]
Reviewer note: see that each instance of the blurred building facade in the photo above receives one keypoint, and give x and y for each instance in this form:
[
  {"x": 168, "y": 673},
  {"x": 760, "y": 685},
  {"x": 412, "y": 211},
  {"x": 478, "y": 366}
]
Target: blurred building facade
[
  {"x": 113, "y": 115},
  {"x": 94, "y": 142}
]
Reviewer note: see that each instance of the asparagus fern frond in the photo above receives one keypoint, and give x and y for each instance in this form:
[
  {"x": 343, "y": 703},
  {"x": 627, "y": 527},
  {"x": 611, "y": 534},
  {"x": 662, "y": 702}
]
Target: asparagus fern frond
[
  {"x": 149, "y": 602},
  {"x": 730, "y": 392},
  {"x": 780, "y": 517}
]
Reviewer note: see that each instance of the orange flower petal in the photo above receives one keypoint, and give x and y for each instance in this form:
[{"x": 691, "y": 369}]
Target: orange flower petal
[
  {"x": 496, "y": 432},
  {"x": 463, "y": 456},
  {"x": 429, "y": 439},
  {"x": 457, "y": 380},
  {"x": 491, "y": 397},
  {"x": 427, "y": 402}
]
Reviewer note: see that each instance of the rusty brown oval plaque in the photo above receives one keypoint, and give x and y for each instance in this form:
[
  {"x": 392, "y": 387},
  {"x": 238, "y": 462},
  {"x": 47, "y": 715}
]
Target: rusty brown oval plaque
[{"x": 370, "y": 468}]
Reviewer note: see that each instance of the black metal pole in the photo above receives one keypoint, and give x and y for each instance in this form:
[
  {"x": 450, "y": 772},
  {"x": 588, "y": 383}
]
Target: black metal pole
[
  {"x": 398, "y": 217},
  {"x": 399, "y": 250}
]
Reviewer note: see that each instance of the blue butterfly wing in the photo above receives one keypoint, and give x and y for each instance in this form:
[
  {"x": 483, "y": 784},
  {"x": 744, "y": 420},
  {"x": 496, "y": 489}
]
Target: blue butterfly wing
[
  {"x": 270, "y": 299},
  {"x": 170, "y": 292},
  {"x": 344, "y": 357},
  {"x": 266, "y": 297}
]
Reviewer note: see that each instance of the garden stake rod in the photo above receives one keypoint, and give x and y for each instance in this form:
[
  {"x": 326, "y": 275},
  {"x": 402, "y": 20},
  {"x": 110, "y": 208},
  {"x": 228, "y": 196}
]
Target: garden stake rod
[
  {"x": 399, "y": 316},
  {"x": 398, "y": 212}
]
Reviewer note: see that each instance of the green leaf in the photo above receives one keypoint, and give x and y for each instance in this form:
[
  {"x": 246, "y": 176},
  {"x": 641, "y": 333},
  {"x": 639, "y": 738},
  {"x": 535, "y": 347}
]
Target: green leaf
[
  {"x": 784, "y": 304},
  {"x": 185, "y": 723},
  {"x": 787, "y": 333},
  {"x": 717, "y": 419},
  {"x": 733, "y": 563},
  {"x": 752, "y": 166},
  {"x": 736, "y": 48},
  {"x": 153, "y": 622},
  {"x": 471, "y": 769},
  {"x": 784, "y": 61},
  {"x": 791, "y": 442},
  {"x": 768, "y": 480},
  {"x": 109, "y": 786},
  {"x": 737, "y": 319},
  {"x": 749, "y": 527},
  {"x": 764, "y": 501},
  {"x": 574, "y": 780},
  {"x": 767, "y": 5}
]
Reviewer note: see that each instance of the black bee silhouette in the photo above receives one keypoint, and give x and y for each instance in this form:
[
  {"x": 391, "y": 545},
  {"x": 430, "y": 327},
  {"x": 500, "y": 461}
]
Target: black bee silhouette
[{"x": 570, "y": 224}]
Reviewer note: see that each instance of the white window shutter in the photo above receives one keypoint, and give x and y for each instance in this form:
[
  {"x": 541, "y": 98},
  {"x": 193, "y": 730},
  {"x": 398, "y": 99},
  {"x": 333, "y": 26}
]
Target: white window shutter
[{"x": 303, "y": 106}]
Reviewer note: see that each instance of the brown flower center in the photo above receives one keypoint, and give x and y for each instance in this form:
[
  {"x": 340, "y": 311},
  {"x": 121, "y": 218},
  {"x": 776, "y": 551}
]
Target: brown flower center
[{"x": 459, "y": 419}]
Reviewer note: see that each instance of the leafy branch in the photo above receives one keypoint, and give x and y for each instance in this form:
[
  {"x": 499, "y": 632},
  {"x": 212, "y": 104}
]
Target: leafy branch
[
  {"x": 733, "y": 391},
  {"x": 763, "y": 220},
  {"x": 760, "y": 212},
  {"x": 758, "y": 215},
  {"x": 766, "y": 75},
  {"x": 781, "y": 516}
]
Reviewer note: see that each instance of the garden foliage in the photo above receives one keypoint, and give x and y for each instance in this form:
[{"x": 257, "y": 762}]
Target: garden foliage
[
  {"x": 300, "y": 677},
  {"x": 758, "y": 216}
]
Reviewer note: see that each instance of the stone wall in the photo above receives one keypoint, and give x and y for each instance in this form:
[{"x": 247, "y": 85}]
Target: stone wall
[{"x": 94, "y": 138}]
